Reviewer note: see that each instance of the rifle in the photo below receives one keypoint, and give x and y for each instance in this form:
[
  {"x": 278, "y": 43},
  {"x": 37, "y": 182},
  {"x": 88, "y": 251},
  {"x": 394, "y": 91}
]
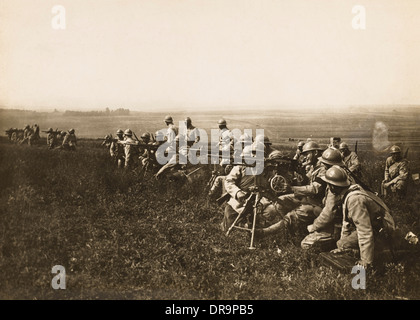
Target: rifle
[
  {"x": 406, "y": 153},
  {"x": 355, "y": 147}
]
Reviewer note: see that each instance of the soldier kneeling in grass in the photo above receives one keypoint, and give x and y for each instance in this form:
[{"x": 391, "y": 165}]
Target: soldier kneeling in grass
[
  {"x": 396, "y": 173},
  {"x": 367, "y": 222}
]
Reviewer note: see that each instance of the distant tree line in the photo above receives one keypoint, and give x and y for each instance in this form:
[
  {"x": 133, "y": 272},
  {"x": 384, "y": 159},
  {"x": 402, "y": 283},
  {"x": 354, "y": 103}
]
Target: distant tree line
[{"x": 107, "y": 112}]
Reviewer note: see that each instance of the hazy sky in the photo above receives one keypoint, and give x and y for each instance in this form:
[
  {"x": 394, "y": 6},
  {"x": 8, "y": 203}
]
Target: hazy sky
[{"x": 208, "y": 53}]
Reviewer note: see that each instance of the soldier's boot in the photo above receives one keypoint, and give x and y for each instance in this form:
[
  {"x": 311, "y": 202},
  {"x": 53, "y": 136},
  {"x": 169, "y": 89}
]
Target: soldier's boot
[{"x": 279, "y": 229}]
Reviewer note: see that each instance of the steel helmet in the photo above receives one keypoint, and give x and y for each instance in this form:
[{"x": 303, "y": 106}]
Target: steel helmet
[
  {"x": 336, "y": 176},
  {"x": 63, "y": 133},
  {"x": 310, "y": 146},
  {"x": 222, "y": 122},
  {"x": 395, "y": 149},
  {"x": 145, "y": 135},
  {"x": 50, "y": 130},
  {"x": 332, "y": 157},
  {"x": 188, "y": 119},
  {"x": 27, "y": 126},
  {"x": 128, "y": 133},
  {"x": 301, "y": 143},
  {"x": 343, "y": 146},
  {"x": 168, "y": 119},
  {"x": 266, "y": 140},
  {"x": 119, "y": 131},
  {"x": 71, "y": 130},
  {"x": 276, "y": 155}
]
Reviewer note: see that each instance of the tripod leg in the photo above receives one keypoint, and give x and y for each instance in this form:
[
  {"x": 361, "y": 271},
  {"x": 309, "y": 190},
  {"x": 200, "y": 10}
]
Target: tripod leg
[
  {"x": 233, "y": 224},
  {"x": 251, "y": 246}
]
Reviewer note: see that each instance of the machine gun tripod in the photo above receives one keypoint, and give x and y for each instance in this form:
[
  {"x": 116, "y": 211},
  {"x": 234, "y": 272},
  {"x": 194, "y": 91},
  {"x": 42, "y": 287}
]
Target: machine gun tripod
[{"x": 252, "y": 202}]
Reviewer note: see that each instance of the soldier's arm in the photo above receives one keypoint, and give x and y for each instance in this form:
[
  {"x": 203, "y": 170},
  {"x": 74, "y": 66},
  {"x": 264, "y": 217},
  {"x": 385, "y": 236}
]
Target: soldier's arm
[
  {"x": 358, "y": 212},
  {"x": 313, "y": 189},
  {"x": 403, "y": 172},
  {"x": 355, "y": 163},
  {"x": 328, "y": 213},
  {"x": 387, "y": 164}
]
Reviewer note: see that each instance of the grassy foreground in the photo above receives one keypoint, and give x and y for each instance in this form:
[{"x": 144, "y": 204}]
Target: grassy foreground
[{"x": 121, "y": 238}]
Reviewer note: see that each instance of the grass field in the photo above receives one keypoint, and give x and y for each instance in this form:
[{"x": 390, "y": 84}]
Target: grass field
[{"x": 122, "y": 238}]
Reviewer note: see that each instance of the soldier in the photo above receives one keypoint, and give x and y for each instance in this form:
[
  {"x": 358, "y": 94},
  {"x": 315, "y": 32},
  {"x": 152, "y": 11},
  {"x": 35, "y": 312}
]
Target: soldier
[
  {"x": 189, "y": 137},
  {"x": 60, "y": 137},
  {"x": 396, "y": 172},
  {"x": 70, "y": 141},
  {"x": 9, "y": 133},
  {"x": 299, "y": 160},
  {"x": 307, "y": 201},
  {"x": 172, "y": 165},
  {"x": 146, "y": 153},
  {"x": 130, "y": 149},
  {"x": 225, "y": 141},
  {"x": 334, "y": 143},
  {"x": 116, "y": 149},
  {"x": 51, "y": 139},
  {"x": 351, "y": 160},
  {"x": 36, "y": 133},
  {"x": 367, "y": 223},
  {"x": 171, "y": 134},
  {"x": 28, "y": 135},
  {"x": 298, "y": 155},
  {"x": 239, "y": 185}
]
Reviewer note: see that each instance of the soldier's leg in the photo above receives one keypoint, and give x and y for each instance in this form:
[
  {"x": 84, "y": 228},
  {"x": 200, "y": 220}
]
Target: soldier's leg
[
  {"x": 229, "y": 217},
  {"x": 301, "y": 216},
  {"x": 349, "y": 241},
  {"x": 322, "y": 239},
  {"x": 287, "y": 203}
]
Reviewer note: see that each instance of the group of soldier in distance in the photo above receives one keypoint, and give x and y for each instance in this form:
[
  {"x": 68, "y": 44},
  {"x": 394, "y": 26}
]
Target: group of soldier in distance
[
  {"x": 55, "y": 139},
  {"x": 318, "y": 192}
]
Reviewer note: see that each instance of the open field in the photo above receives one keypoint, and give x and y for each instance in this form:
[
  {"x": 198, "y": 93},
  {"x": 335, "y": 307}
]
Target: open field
[{"x": 122, "y": 238}]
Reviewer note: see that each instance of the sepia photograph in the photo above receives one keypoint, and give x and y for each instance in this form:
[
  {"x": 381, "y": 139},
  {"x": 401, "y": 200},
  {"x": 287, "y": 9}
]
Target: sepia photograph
[{"x": 209, "y": 155}]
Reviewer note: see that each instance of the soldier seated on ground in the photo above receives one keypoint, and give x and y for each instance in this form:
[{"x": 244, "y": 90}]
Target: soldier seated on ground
[
  {"x": 396, "y": 173},
  {"x": 240, "y": 184}
]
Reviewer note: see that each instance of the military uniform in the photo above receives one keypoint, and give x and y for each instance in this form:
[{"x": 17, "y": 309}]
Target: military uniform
[
  {"x": 225, "y": 144},
  {"x": 397, "y": 172},
  {"x": 28, "y": 135},
  {"x": 353, "y": 164},
  {"x": 367, "y": 223},
  {"x": 239, "y": 181},
  {"x": 69, "y": 141},
  {"x": 51, "y": 140},
  {"x": 322, "y": 228},
  {"x": 130, "y": 151},
  {"x": 190, "y": 137},
  {"x": 117, "y": 152}
]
